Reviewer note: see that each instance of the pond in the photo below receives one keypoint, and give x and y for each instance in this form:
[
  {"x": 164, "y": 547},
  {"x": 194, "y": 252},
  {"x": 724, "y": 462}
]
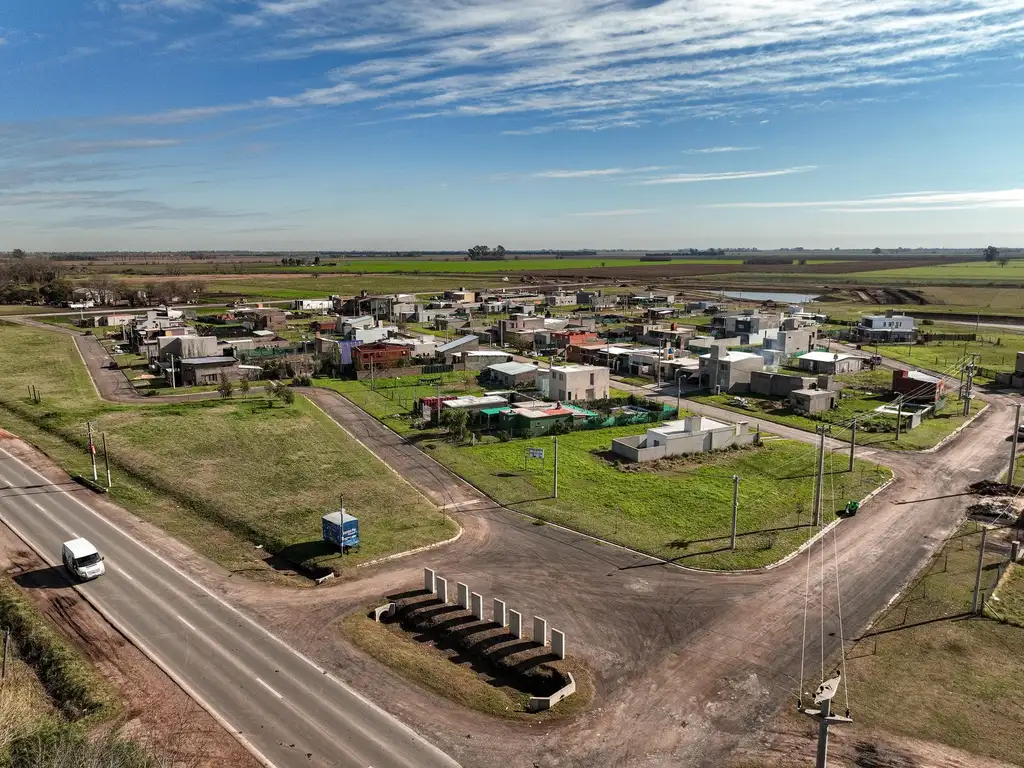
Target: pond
[{"x": 781, "y": 298}]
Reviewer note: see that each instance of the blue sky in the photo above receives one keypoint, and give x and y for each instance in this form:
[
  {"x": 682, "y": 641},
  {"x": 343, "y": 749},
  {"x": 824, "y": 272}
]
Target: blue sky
[{"x": 400, "y": 124}]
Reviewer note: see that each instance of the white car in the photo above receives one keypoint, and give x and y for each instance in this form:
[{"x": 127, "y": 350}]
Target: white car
[{"x": 82, "y": 559}]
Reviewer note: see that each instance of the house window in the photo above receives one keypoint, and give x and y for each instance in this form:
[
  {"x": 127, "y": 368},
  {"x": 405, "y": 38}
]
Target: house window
[{"x": 591, "y": 379}]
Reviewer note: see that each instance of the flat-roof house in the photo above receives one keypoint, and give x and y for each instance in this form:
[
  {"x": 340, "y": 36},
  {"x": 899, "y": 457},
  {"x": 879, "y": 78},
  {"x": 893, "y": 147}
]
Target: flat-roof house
[
  {"x": 379, "y": 355},
  {"x": 475, "y": 403},
  {"x": 811, "y": 401},
  {"x": 198, "y": 371},
  {"x": 889, "y": 327},
  {"x": 512, "y": 375},
  {"x": 918, "y": 387},
  {"x": 722, "y": 371},
  {"x": 538, "y": 418},
  {"x": 573, "y": 382},
  {"x": 829, "y": 362},
  {"x": 694, "y": 434}
]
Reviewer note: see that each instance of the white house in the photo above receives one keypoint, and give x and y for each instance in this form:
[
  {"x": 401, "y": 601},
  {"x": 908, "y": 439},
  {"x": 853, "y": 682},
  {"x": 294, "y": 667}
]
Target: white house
[{"x": 694, "y": 434}]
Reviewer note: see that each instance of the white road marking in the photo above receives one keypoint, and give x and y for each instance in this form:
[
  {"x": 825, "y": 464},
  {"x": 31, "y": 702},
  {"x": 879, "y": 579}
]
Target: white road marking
[
  {"x": 185, "y": 623},
  {"x": 260, "y": 681},
  {"x": 126, "y": 575}
]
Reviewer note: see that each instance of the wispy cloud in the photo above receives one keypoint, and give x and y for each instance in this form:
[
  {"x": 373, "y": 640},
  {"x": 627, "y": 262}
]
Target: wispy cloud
[
  {"x": 90, "y": 147},
  {"x": 694, "y": 178},
  {"x": 616, "y": 212},
  {"x": 717, "y": 150},
  {"x": 599, "y": 64},
  {"x": 902, "y": 203}
]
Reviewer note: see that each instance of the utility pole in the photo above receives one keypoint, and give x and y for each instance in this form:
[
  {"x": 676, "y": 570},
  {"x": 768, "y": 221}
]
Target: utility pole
[
  {"x": 970, "y": 387},
  {"x": 1013, "y": 447},
  {"x": 825, "y": 718},
  {"x": 174, "y": 383},
  {"x": 555, "y": 489},
  {"x": 853, "y": 442},
  {"x": 976, "y": 605},
  {"x": 821, "y": 477},
  {"x": 679, "y": 395},
  {"x": 106, "y": 460},
  {"x": 437, "y": 403},
  {"x": 899, "y": 417},
  {"x": 92, "y": 451},
  {"x": 735, "y": 508}
]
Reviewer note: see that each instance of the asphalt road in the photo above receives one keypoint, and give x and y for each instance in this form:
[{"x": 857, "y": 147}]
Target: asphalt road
[{"x": 282, "y": 705}]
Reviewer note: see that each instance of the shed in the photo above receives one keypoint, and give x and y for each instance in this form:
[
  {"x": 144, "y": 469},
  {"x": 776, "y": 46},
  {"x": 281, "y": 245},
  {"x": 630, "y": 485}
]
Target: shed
[{"x": 512, "y": 375}]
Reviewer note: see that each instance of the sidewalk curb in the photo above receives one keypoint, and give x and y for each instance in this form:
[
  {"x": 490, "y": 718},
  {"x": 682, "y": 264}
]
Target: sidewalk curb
[
  {"x": 428, "y": 547},
  {"x": 956, "y": 431}
]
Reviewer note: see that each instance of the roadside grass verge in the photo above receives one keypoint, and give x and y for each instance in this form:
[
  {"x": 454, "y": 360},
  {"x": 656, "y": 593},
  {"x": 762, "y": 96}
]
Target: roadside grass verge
[
  {"x": 963, "y": 673},
  {"x": 436, "y": 670},
  {"x": 240, "y": 482},
  {"x": 74, "y": 687},
  {"x": 677, "y": 509}
]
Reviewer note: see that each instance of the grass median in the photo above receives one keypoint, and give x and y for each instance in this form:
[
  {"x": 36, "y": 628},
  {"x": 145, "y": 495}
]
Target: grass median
[
  {"x": 240, "y": 482},
  {"x": 678, "y": 509}
]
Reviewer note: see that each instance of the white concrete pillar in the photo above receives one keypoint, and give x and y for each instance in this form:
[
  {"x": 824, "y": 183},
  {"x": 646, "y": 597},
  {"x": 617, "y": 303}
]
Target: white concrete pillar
[
  {"x": 428, "y": 580},
  {"x": 540, "y": 630},
  {"x": 558, "y": 643},
  {"x": 498, "y": 613},
  {"x": 442, "y": 589},
  {"x": 515, "y": 624},
  {"x": 463, "y": 595},
  {"x": 477, "y": 602}
]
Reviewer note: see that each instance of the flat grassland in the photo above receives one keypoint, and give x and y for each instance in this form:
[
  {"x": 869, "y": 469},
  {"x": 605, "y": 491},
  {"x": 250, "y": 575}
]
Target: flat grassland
[
  {"x": 995, "y": 348},
  {"x": 962, "y": 672},
  {"x": 678, "y": 509},
  {"x": 221, "y": 476},
  {"x": 969, "y": 271}
]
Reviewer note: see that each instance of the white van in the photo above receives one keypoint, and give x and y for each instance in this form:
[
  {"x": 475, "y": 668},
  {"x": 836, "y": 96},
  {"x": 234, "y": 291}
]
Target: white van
[{"x": 82, "y": 559}]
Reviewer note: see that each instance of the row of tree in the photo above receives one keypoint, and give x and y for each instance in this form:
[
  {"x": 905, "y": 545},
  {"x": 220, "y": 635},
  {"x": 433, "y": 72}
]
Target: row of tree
[{"x": 483, "y": 253}]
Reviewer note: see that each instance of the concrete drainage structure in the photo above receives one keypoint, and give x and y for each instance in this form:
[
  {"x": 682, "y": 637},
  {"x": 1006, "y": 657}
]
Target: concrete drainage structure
[{"x": 501, "y": 618}]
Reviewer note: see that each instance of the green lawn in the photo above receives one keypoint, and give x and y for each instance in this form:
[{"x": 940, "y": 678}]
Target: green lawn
[
  {"x": 222, "y": 476},
  {"x": 879, "y": 431},
  {"x": 974, "y": 271},
  {"x": 963, "y": 673},
  {"x": 681, "y": 511},
  {"x": 995, "y": 348},
  {"x": 459, "y": 265}
]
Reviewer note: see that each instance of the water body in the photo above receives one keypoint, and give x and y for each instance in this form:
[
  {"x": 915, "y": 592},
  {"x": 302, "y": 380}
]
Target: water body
[{"x": 781, "y": 298}]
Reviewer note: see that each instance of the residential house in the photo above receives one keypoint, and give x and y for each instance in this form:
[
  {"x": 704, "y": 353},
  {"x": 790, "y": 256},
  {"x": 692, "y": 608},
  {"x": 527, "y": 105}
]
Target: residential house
[
  {"x": 559, "y": 299},
  {"x": 264, "y": 319},
  {"x": 777, "y": 384},
  {"x": 793, "y": 341},
  {"x": 562, "y": 339},
  {"x": 829, "y": 362},
  {"x": 887, "y": 328},
  {"x": 475, "y": 403},
  {"x": 186, "y": 347},
  {"x": 199, "y": 371},
  {"x": 918, "y": 387},
  {"x": 533, "y": 419},
  {"x": 115, "y": 321},
  {"x": 512, "y": 375},
  {"x": 448, "y": 351},
  {"x": 478, "y": 359},
  {"x": 377, "y": 307},
  {"x": 694, "y": 434},
  {"x": 751, "y": 327},
  {"x": 722, "y": 371},
  {"x": 573, "y": 382},
  {"x": 379, "y": 356},
  {"x": 812, "y": 401},
  {"x": 594, "y": 299},
  {"x": 313, "y": 305},
  {"x": 324, "y": 325},
  {"x": 461, "y": 296}
]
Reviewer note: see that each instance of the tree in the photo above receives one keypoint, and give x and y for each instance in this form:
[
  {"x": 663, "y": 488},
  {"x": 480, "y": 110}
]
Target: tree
[
  {"x": 286, "y": 394},
  {"x": 225, "y": 387},
  {"x": 316, "y": 261},
  {"x": 1003, "y": 261},
  {"x": 243, "y": 386},
  {"x": 17, "y": 253},
  {"x": 57, "y": 292},
  {"x": 877, "y": 251},
  {"x": 271, "y": 390},
  {"x": 455, "y": 420},
  {"x": 991, "y": 253}
]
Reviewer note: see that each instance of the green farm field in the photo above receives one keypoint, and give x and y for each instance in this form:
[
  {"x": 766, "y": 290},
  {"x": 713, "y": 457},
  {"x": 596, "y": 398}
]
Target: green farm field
[
  {"x": 678, "y": 509},
  {"x": 968, "y": 271},
  {"x": 222, "y": 476}
]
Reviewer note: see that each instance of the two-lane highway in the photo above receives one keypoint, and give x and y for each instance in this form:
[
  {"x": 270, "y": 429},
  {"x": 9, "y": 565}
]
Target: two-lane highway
[{"x": 285, "y": 708}]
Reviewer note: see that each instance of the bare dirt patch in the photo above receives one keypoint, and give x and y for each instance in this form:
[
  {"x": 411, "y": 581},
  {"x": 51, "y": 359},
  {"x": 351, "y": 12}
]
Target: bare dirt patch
[{"x": 155, "y": 710}]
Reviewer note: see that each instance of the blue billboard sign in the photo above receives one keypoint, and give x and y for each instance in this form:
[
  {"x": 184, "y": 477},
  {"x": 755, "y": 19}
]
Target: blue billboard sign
[{"x": 341, "y": 529}]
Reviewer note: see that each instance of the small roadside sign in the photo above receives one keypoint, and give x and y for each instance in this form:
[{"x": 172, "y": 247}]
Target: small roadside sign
[{"x": 535, "y": 453}]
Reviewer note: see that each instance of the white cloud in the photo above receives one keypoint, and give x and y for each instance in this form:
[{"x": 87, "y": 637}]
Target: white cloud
[
  {"x": 616, "y": 212},
  {"x": 104, "y": 146},
  {"x": 582, "y": 174},
  {"x": 580, "y": 64},
  {"x": 692, "y": 178},
  {"x": 717, "y": 150},
  {"x": 902, "y": 203}
]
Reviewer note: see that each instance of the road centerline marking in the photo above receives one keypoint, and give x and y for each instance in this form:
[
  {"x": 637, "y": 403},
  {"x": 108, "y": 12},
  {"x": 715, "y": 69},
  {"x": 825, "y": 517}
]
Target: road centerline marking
[{"x": 261, "y": 682}]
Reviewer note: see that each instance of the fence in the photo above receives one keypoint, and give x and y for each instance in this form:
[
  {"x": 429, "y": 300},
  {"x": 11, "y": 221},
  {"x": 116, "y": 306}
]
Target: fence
[
  {"x": 383, "y": 374},
  {"x": 262, "y": 353}
]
